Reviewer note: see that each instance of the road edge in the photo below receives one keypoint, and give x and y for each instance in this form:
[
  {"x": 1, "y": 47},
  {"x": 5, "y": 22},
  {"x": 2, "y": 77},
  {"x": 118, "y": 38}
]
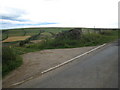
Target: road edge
[{"x": 59, "y": 65}]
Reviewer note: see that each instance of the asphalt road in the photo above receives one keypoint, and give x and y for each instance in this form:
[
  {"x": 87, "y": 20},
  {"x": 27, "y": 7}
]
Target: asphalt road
[{"x": 98, "y": 69}]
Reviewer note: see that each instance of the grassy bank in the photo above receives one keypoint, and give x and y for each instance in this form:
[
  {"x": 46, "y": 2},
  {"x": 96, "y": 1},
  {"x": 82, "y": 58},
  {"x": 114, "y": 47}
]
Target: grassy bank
[{"x": 10, "y": 60}]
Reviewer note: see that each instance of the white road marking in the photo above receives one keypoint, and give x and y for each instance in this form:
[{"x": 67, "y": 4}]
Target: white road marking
[{"x": 72, "y": 59}]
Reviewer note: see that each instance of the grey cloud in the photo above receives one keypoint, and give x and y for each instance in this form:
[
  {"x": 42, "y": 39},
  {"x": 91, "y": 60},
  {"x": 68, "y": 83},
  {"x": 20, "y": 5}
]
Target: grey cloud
[
  {"x": 16, "y": 15},
  {"x": 8, "y": 25},
  {"x": 13, "y": 15},
  {"x": 12, "y": 18}
]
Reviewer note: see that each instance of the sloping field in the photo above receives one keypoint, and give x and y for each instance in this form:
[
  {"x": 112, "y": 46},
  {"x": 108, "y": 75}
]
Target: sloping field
[
  {"x": 31, "y": 31},
  {"x": 16, "y": 38}
]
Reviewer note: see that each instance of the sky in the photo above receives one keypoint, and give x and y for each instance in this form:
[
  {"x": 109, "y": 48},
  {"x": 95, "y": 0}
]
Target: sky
[{"x": 58, "y": 13}]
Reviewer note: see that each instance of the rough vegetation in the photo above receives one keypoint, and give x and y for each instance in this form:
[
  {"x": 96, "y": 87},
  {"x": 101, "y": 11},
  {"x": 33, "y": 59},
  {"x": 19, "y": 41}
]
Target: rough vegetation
[
  {"x": 71, "y": 34},
  {"x": 10, "y": 60}
]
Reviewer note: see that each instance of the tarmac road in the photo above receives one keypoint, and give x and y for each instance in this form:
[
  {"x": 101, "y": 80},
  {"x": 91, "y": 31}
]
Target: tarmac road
[{"x": 98, "y": 69}]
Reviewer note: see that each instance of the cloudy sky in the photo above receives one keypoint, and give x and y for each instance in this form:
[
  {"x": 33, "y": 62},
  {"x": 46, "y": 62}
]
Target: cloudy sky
[{"x": 59, "y": 13}]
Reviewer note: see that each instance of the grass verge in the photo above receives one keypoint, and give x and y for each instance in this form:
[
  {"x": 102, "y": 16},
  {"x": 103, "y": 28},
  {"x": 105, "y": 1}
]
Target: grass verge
[{"x": 10, "y": 60}]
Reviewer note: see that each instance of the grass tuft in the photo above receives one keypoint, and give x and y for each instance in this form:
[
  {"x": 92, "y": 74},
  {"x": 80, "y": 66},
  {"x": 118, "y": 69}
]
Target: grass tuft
[{"x": 10, "y": 60}]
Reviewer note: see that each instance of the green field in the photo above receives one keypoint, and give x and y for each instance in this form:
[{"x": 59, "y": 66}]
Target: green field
[{"x": 31, "y": 31}]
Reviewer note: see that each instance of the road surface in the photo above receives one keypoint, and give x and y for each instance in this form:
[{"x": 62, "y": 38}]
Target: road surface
[{"x": 98, "y": 69}]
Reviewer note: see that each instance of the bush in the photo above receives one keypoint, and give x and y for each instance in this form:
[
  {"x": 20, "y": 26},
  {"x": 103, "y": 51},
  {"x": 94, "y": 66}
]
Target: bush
[
  {"x": 71, "y": 34},
  {"x": 7, "y": 55},
  {"x": 106, "y": 32},
  {"x": 10, "y": 60}
]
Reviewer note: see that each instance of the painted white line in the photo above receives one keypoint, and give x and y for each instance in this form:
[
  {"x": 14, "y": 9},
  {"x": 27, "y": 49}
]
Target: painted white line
[
  {"x": 17, "y": 83},
  {"x": 21, "y": 81},
  {"x": 72, "y": 59},
  {"x": 45, "y": 71}
]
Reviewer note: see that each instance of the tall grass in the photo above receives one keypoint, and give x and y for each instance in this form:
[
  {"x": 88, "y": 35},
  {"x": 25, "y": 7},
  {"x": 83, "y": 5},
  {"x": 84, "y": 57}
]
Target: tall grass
[{"x": 10, "y": 60}]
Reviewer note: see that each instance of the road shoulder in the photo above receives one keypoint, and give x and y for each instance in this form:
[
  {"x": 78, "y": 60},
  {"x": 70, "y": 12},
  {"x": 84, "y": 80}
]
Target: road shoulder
[{"x": 37, "y": 62}]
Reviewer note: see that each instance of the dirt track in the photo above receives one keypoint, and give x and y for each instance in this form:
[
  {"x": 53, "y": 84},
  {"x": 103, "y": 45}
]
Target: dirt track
[{"x": 36, "y": 62}]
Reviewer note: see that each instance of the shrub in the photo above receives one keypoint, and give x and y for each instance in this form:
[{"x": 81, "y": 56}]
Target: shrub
[
  {"x": 106, "y": 32},
  {"x": 10, "y": 60},
  {"x": 7, "y": 55},
  {"x": 71, "y": 34}
]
